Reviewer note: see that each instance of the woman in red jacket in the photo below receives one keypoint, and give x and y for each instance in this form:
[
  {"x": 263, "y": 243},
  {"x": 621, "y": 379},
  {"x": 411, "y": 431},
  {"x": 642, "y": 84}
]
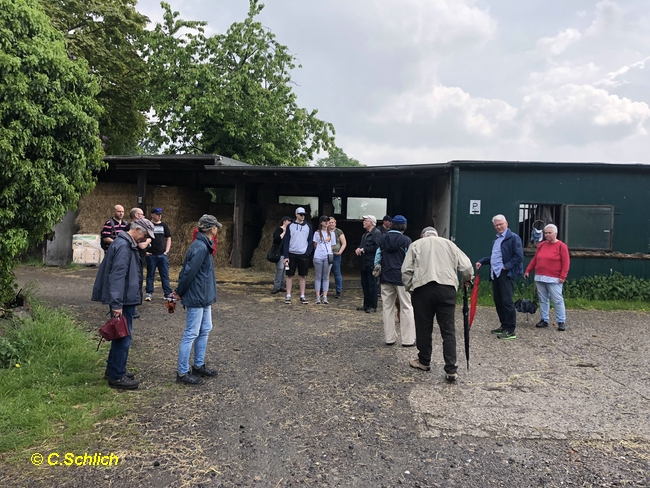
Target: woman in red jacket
[{"x": 551, "y": 266}]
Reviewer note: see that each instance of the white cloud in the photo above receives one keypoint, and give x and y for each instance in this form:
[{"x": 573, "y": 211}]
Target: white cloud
[
  {"x": 426, "y": 23},
  {"x": 564, "y": 74},
  {"x": 452, "y": 111},
  {"x": 608, "y": 16},
  {"x": 612, "y": 78},
  {"x": 581, "y": 114},
  {"x": 553, "y": 46}
]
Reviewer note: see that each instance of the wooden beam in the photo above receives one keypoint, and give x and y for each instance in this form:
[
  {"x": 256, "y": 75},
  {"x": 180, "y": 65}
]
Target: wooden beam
[{"x": 238, "y": 224}]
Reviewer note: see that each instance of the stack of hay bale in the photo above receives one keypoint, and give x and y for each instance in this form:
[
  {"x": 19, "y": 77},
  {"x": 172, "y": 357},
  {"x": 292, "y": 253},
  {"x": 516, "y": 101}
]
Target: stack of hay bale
[{"x": 182, "y": 208}]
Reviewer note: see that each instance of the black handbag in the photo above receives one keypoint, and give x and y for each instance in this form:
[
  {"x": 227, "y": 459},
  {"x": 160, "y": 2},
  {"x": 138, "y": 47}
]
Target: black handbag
[{"x": 274, "y": 254}]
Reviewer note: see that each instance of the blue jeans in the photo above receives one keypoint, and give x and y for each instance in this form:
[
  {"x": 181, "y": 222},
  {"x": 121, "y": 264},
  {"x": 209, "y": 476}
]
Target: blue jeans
[
  {"x": 338, "y": 277},
  {"x": 278, "y": 279},
  {"x": 198, "y": 325},
  {"x": 554, "y": 292},
  {"x": 158, "y": 261},
  {"x": 119, "y": 353}
]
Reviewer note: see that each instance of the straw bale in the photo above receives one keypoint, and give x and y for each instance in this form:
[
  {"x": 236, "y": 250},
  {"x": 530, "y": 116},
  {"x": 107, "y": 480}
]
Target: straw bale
[
  {"x": 274, "y": 213},
  {"x": 97, "y": 207},
  {"x": 183, "y": 238}
]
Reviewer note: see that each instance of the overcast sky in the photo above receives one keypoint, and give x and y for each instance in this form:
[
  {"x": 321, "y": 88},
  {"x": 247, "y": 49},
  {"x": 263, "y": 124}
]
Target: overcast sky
[{"x": 423, "y": 81}]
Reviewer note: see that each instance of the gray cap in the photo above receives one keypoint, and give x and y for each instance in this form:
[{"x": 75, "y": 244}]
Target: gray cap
[
  {"x": 208, "y": 222},
  {"x": 429, "y": 231},
  {"x": 145, "y": 224}
]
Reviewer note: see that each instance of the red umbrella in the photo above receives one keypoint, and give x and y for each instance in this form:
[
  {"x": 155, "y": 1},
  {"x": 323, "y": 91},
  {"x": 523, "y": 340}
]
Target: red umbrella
[{"x": 474, "y": 300}]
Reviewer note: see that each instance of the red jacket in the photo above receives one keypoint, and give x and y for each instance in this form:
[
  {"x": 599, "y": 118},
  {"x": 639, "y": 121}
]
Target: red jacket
[
  {"x": 551, "y": 260},
  {"x": 215, "y": 240}
]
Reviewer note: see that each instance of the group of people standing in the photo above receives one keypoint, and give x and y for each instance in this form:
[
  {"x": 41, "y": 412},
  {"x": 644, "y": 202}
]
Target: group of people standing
[
  {"x": 419, "y": 280},
  {"x": 146, "y": 243}
]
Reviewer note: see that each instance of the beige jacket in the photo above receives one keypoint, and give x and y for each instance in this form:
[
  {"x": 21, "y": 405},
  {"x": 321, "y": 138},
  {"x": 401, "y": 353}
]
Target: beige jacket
[{"x": 435, "y": 259}]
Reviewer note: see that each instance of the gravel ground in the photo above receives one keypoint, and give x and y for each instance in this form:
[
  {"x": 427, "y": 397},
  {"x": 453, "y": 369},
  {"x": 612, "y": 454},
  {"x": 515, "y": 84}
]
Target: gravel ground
[{"x": 310, "y": 395}]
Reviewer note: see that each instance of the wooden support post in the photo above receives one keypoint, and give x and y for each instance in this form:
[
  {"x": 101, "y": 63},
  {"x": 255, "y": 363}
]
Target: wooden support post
[
  {"x": 142, "y": 190},
  {"x": 238, "y": 225}
]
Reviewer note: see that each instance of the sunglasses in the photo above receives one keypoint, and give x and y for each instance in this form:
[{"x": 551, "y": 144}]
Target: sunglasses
[{"x": 302, "y": 214}]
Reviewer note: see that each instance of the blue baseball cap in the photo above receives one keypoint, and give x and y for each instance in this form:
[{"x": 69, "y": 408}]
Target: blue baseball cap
[
  {"x": 157, "y": 210},
  {"x": 399, "y": 219}
]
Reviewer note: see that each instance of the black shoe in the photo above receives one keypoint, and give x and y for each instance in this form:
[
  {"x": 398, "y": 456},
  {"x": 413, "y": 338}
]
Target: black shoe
[
  {"x": 561, "y": 326},
  {"x": 541, "y": 323},
  {"x": 203, "y": 371},
  {"x": 408, "y": 345},
  {"x": 274, "y": 291},
  {"x": 390, "y": 343},
  {"x": 188, "y": 379},
  {"x": 361, "y": 309},
  {"x": 451, "y": 377},
  {"x": 497, "y": 331},
  {"x": 338, "y": 294},
  {"x": 137, "y": 315},
  {"x": 124, "y": 383},
  {"x": 371, "y": 310},
  {"x": 505, "y": 335},
  {"x": 128, "y": 374},
  {"x": 283, "y": 289}
]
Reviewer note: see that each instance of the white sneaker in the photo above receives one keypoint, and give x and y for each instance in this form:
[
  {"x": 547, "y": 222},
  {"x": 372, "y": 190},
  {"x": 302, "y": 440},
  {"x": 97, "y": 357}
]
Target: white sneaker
[
  {"x": 317, "y": 302},
  {"x": 324, "y": 300},
  {"x": 288, "y": 299}
]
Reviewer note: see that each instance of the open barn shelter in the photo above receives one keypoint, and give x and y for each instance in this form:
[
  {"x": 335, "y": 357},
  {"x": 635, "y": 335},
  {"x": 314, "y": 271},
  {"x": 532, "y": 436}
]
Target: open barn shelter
[{"x": 602, "y": 210}]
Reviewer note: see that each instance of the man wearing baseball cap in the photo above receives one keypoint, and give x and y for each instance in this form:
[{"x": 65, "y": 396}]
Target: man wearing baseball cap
[
  {"x": 197, "y": 289},
  {"x": 157, "y": 255},
  {"x": 297, "y": 249}
]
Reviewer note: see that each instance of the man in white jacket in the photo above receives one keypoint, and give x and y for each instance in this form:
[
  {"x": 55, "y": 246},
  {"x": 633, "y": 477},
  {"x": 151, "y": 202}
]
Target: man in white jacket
[{"x": 430, "y": 274}]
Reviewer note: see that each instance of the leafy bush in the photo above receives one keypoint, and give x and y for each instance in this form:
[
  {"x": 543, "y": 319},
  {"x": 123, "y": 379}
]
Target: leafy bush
[{"x": 608, "y": 287}]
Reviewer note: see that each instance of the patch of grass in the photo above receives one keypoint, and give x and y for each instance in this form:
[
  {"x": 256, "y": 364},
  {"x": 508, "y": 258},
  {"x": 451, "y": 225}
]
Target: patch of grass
[{"x": 53, "y": 390}]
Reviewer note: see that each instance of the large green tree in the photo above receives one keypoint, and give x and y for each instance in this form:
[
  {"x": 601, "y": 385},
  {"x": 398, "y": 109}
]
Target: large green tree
[
  {"x": 230, "y": 94},
  {"x": 337, "y": 158},
  {"x": 49, "y": 147},
  {"x": 107, "y": 33}
]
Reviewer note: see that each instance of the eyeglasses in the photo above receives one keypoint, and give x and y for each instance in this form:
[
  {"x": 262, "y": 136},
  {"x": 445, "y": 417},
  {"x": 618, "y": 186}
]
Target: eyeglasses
[{"x": 301, "y": 214}]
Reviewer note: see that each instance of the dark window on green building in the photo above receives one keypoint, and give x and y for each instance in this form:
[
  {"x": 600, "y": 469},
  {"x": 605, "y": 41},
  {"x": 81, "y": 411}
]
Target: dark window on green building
[
  {"x": 589, "y": 227},
  {"x": 532, "y": 219}
]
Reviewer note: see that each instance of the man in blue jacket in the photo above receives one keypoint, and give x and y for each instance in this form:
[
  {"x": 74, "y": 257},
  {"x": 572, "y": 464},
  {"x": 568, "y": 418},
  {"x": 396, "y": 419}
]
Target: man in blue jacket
[
  {"x": 119, "y": 285},
  {"x": 506, "y": 263},
  {"x": 197, "y": 288}
]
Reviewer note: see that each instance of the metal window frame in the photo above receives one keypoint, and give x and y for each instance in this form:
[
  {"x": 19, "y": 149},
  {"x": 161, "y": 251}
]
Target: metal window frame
[{"x": 567, "y": 224}]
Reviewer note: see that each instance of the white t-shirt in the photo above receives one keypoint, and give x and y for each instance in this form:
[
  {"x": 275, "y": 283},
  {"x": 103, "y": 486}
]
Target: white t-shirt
[{"x": 324, "y": 245}]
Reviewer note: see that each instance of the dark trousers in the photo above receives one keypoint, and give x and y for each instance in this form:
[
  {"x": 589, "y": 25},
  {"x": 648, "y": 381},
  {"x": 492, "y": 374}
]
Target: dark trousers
[
  {"x": 503, "y": 288},
  {"x": 369, "y": 285},
  {"x": 158, "y": 261},
  {"x": 119, "y": 353},
  {"x": 430, "y": 301}
]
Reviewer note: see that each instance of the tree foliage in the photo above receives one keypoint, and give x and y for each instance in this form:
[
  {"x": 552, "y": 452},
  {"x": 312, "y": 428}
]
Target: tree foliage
[
  {"x": 229, "y": 94},
  {"x": 49, "y": 147},
  {"x": 337, "y": 158},
  {"x": 106, "y": 33}
]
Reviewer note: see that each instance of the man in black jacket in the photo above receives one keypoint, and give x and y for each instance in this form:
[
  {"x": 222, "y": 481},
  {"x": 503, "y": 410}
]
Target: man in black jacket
[
  {"x": 370, "y": 241},
  {"x": 119, "y": 285}
]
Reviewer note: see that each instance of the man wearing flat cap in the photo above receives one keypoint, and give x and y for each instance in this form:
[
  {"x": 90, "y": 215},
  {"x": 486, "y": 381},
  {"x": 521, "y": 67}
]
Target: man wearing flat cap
[
  {"x": 197, "y": 289},
  {"x": 119, "y": 285},
  {"x": 370, "y": 241}
]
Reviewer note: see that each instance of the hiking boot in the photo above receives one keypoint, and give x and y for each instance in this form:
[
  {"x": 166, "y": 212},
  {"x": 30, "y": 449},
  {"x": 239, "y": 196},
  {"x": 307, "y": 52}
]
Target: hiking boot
[
  {"x": 203, "y": 371},
  {"x": 497, "y": 331},
  {"x": 506, "y": 335},
  {"x": 287, "y": 300},
  {"x": 541, "y": 323},
  {"x": 317, "y": 302},
  {"x": 128, "y": 374},
  {"x": 303, "y": 300},
  {"x": 124, "y": 383},
  {"x": 274, "y": 291},
  {"x": 415, "y": 363},
  {"x": 361, "y": 309},
  {"x": 148, "y": 297},
  {"x": 324, "y": 300},
  {"x": 371, "y": 310},
  {"x": 188, "y": 379},
  {"x": 338, "y": 294},
  {"x": 561, "y": 326},
  {"x": 451, "y": 377}
]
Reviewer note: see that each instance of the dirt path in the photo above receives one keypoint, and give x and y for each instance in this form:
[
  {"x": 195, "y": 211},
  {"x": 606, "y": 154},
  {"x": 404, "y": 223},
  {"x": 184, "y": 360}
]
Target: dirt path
[{"x": 309, "y": 395}]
